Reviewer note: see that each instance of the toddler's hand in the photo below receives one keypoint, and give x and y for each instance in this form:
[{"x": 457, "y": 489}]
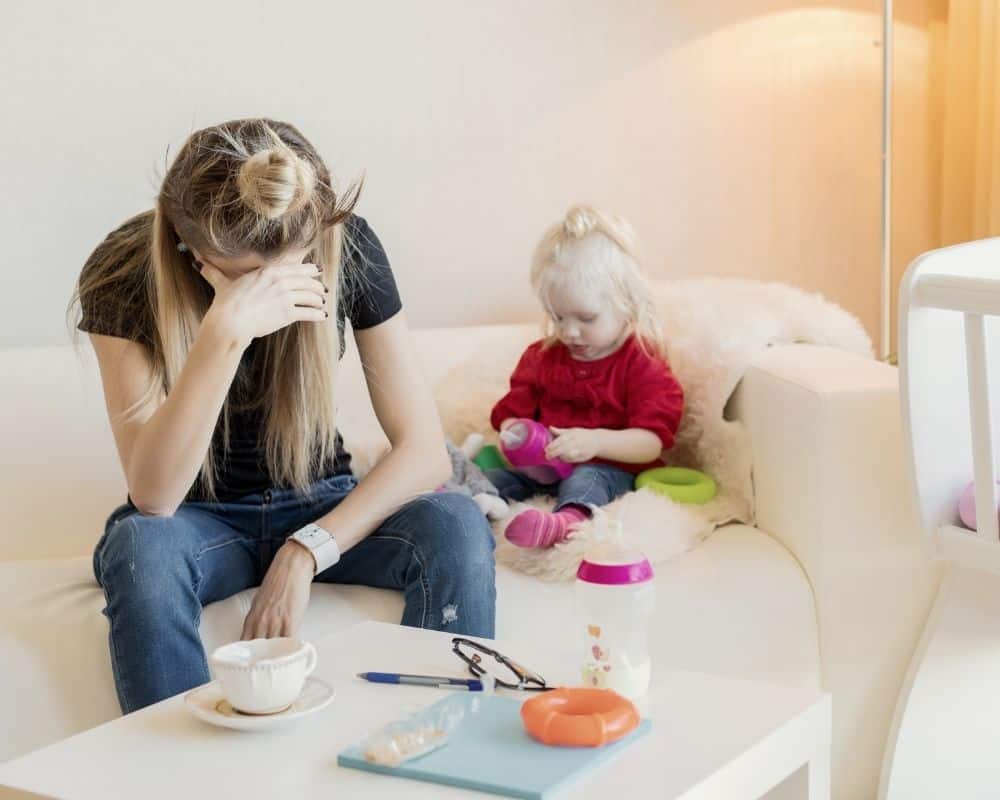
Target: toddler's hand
[{"x": 574, "y": 445}]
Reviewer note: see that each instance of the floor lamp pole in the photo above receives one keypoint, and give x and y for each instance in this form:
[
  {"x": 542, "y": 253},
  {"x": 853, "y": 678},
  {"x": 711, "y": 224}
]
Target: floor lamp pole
[{"x": 885, "y": 343}]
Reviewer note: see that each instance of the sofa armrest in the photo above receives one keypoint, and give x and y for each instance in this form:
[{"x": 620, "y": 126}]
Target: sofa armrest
[{"x": 830, "y": 484}]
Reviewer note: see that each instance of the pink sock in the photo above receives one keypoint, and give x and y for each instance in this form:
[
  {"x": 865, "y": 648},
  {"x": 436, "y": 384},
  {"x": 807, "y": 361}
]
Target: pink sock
[{"x": 534, "y": 528}]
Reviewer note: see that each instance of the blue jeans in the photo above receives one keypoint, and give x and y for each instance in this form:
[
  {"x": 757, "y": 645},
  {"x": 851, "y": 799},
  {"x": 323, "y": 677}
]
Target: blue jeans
[
  {"x": 159, "y": 572},
  {"x": 590, "y": 484}
]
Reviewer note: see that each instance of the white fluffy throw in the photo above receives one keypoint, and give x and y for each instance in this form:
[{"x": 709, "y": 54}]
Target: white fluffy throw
[{"x": 714, "y": 328}]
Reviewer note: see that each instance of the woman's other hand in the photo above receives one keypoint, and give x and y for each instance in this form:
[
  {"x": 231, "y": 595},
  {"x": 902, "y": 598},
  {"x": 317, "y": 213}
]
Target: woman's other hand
[{"x": 280, "y": 602}]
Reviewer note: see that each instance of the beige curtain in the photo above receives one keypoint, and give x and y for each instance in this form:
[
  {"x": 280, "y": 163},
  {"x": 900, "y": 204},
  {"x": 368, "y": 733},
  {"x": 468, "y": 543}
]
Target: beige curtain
[{"x": 965, "y": 82}]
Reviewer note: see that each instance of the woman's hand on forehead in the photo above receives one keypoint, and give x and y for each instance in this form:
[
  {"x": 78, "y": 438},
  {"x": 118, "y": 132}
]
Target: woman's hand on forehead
[{"x": 265, "y": 299}]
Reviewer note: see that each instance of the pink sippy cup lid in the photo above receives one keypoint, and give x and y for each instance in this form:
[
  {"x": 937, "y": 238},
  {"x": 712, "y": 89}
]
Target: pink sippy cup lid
[{"x": 611, "y": 562}]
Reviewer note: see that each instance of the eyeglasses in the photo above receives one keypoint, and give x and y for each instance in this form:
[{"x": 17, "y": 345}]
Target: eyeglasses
[{"x": 505, "y": 672}]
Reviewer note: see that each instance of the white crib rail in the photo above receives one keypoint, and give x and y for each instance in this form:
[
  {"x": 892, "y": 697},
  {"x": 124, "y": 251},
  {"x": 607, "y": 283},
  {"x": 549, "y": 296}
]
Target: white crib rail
[
  {"x": 948, "y": 296},
  {"x": 983, "y": 465},
  {"x": 949, "y": 326},
  {"x": 972, "y": 294}
]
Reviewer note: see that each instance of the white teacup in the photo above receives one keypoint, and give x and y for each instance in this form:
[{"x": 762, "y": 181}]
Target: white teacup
[{"x": 263, "y": 676}]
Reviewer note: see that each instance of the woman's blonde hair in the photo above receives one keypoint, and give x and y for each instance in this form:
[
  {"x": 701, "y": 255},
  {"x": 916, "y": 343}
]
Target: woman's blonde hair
[
  {"x": 600, "y": 251},
  {"x": 245, "y": 186}
]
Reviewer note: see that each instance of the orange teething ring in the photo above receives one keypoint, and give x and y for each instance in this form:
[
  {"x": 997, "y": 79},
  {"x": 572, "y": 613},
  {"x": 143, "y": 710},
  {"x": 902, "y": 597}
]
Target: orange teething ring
[{"x": 579, "y": 717}]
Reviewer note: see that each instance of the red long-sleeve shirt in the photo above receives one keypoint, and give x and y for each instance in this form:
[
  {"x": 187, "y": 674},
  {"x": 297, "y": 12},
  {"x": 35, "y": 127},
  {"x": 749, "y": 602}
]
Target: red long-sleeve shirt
[{"x": 627, "y": 389}]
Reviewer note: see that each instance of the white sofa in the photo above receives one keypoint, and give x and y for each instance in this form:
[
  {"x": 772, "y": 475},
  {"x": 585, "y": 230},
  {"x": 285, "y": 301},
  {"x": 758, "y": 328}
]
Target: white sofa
[{"x": 831, "y": 588}]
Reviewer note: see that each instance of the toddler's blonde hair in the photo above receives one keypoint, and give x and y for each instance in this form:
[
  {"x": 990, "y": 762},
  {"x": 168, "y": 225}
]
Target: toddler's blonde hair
[{"x": 600, "y": 251}]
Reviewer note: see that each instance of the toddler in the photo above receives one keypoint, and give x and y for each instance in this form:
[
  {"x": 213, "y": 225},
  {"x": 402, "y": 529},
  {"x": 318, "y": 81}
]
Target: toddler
[{"x": 599, "y": 380}]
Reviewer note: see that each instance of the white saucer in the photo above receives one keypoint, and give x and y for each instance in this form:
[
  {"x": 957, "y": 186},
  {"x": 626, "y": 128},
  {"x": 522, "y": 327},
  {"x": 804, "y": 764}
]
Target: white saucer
[{"x": 208, "y": 703}]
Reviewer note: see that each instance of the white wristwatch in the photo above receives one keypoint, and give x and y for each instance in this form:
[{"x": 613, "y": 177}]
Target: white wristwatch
[{"x": 320, "y": 543}]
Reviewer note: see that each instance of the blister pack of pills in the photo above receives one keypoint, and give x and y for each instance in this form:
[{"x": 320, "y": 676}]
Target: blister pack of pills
[{"x": 424, "y": 731}]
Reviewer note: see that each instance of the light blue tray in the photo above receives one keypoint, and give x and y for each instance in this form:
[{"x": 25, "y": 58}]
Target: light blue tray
[{"x": 491, "y": 752}]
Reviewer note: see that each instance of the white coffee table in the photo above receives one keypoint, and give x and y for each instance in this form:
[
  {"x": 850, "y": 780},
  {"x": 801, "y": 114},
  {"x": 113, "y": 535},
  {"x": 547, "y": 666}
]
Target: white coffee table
[{"x": 712, "y": 737}]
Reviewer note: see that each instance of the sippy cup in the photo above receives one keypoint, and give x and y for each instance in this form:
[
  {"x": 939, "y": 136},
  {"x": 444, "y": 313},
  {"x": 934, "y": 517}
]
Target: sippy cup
[
  {"x": 615, "y": 598},
  {"x": 523, "y": 443}
]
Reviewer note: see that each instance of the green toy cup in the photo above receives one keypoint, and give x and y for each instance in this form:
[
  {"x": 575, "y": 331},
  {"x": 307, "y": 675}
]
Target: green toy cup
[
  {"x": 489, "y": 458},
  {"x": 680, "y": 484}
]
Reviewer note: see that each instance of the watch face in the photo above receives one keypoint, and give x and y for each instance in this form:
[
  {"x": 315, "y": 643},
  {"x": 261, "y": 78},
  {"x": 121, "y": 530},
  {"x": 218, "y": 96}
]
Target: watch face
[{"x": 312, "y": 536}]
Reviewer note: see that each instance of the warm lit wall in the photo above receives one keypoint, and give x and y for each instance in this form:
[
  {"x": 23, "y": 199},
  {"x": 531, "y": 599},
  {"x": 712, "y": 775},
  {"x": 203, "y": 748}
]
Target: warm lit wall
[
  {"x": 917, "y": 90},
  {"x": 740, "y": 137}
]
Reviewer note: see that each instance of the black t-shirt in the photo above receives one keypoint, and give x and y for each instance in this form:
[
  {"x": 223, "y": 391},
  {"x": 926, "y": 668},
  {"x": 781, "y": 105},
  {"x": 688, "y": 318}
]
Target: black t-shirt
[{"x": 368, "y": 296}]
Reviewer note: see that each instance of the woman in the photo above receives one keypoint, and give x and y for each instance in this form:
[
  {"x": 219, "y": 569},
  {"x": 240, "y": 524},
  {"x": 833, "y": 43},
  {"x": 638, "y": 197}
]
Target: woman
[{"x": 212, "y": 317}]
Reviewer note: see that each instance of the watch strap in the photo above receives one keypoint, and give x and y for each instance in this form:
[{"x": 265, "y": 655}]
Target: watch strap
[{"x": 320, "y": 543}]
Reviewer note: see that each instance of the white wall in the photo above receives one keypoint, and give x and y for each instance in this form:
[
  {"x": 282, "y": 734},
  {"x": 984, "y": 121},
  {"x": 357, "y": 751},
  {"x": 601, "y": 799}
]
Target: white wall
[{"x": 740, "y": 137}]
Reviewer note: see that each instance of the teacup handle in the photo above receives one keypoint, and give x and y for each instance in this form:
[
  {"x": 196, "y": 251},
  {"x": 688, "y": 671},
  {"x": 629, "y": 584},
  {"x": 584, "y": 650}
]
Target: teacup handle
[{"x": 311, "y": 658}]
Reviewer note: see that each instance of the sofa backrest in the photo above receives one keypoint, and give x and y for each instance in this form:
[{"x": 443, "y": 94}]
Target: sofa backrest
[{"x": 60, "y": 471}]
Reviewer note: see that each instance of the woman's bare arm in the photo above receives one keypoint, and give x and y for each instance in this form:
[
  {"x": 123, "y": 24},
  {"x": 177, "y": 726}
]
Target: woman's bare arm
[
  {"x": 418, "y": 461},
  {"x": 162, "y": 451}
]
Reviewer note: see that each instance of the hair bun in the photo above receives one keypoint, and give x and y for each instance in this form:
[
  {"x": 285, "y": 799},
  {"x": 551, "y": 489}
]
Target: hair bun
[
  {"x": 579, "y": 221},
  {"x": 275, "y": 181}
]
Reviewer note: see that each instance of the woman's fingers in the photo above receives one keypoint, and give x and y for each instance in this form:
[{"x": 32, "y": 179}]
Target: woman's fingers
[
  {"x": 214, "y": 276},
  {"x": 265, "y": 626},
  {"x": 249, "y": 627},
  {"x": 303, "y": 297},
  {"x": 308, "y": 314},
  {"x": 280, "y": 272},
  {"x": 305, "y": 283}
]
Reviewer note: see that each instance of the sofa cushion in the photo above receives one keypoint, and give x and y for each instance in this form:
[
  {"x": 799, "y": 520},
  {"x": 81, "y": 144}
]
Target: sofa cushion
[{"x": 739, "y": 604}]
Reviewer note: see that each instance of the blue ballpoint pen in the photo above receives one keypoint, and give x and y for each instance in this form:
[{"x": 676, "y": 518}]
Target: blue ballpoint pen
[{"x": 469, "y": 684}]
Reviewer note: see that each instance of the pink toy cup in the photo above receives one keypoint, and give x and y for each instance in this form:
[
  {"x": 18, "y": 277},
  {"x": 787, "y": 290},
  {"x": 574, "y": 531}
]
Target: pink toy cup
[{"x": 523, "y": 444}]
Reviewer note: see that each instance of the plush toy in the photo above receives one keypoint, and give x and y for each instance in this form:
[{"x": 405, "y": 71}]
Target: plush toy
[{"x": 468, "y": 478}]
